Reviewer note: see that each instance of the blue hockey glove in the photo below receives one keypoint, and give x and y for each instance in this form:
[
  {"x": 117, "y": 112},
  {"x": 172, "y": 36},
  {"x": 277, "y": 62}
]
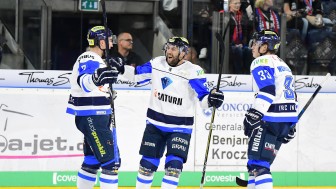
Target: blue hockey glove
[
  {"x": 252, "y": 120},
  {"x": 290, "y": 136},
  {"x": 103, "y": 76},
  {"x": 117, "y": 63},
  {"x": 215, "y": 98}
]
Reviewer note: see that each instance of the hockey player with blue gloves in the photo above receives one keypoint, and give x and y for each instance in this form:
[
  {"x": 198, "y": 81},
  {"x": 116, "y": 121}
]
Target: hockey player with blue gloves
[
  {"x": 268, "y": 123},
  {"x": 176, "y": 85},
  {"x": 90, "y": 102}
]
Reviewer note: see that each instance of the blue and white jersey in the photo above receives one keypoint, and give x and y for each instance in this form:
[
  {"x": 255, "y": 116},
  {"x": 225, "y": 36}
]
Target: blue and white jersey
[
  {"x": 86, "y": 98},
  {"x": 276, "y": 97},
  {"x": 174, "y": 92}
]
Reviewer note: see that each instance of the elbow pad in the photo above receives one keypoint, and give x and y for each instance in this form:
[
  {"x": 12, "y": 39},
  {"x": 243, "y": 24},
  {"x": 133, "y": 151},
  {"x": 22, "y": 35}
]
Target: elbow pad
[{"x": 85, "y": 82}]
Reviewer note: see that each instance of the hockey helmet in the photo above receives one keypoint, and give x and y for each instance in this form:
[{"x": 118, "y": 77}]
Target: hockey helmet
[
  {"x": 97, "y": 33},
  {"x": 271, "y": 38},
  {"x": 181, "y": 42}
]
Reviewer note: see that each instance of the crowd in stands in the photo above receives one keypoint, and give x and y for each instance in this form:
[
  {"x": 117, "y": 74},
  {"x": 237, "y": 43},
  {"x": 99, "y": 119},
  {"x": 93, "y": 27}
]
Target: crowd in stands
[{"x": 310, "y": 32}]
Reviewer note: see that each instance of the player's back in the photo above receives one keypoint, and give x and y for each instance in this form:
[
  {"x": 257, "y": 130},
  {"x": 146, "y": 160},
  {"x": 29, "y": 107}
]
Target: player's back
[
  {"x": 275, "y": 85},
  {"x": 82, "y": 101}
]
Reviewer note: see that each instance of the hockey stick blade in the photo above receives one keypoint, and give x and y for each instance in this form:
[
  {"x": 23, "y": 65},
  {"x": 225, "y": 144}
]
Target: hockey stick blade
[{"x": 243, "y": 183}]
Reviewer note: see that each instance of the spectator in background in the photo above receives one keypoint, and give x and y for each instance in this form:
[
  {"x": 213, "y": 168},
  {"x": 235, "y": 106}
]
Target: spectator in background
[
  {"x": 266, "y": 17},
  {"x": 303, "y": 15},
  {"x": 203, "y": 24},
  {"x": 294, "y": 18},
  {"x": 192, "y": 57},
  {"x": 318, "y": 39},
  {"x": 124, "y": 50},
  {"x": 238, "y": 40}
]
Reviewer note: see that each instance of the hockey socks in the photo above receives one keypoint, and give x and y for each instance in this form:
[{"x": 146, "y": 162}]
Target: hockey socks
[
  {"x": 251, "y": 182},
  {"x": 108, "y": 181},
  {"x": 85, "y": 180},
  {"x": 144, "y": 182},
  {"x": 264, "y": 181},
  {"x": 169, "y": 182}
]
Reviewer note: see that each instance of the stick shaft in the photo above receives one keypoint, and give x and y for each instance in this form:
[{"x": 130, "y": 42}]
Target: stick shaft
[
  {"x": 107, "y": 57},
  {"x": 313, "y": 96},
  {"x": 221, "y": 44},
  {"x": 208, "y": 146}
]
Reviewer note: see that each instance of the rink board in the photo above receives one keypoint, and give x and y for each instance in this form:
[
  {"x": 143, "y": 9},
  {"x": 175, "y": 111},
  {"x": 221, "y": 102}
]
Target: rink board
[
  {"x": 228, "y": 187},
  {"x": 187, "y": 179},
  {"x": 40, "y": 146},
  {"x": 178, "y": 187}
]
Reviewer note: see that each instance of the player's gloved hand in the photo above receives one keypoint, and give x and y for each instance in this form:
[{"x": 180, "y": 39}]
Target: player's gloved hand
[
  {"x": 215, "y": 98},
  {"x": 117, "y": 63},
  {"x": 252, "y": 120},
  {"x": 290, "y": 136},
  {"x": 105, "y": 75}
]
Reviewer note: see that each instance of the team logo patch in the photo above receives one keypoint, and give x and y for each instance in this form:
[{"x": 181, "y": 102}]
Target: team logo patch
[
  {"x": 166, "y": 81},
  {"x": 207, "y": 112}
]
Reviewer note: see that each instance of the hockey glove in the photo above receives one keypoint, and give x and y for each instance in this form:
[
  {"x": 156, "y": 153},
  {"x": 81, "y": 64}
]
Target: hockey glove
[
  {"x": 290, "y": 136},
  {"x": 215, "y": 98},
  {"x": 117, "y": 63},
  {"x": 252, "y": 120},
  {"x": 105, "y": 75}
]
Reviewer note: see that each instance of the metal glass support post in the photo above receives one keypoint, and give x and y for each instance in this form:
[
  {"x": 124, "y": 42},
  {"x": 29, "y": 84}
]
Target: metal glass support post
[
  {"x": 226, "y": 35},
  {"x": 283, "y": 36}
]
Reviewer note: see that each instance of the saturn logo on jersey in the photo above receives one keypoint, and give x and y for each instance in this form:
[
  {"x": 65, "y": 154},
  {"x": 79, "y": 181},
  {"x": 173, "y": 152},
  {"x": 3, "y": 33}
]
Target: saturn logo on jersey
[
  {"x": 256, "y": 140},
  {"x": 167, "y": 98},
  {"x": 166, "y": 81}
]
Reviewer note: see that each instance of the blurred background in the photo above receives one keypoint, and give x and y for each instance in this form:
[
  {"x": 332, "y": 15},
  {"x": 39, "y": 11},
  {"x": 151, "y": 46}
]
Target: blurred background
[{"x": 51, "y": 34}]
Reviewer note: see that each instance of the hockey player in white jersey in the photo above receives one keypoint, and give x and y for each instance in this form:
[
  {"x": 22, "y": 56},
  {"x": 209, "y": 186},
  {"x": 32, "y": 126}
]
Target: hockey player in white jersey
[
  {"x": 90, "y": 103},
  {"x": 268, "y": 122},
  {"x": 177, "y": 85}
]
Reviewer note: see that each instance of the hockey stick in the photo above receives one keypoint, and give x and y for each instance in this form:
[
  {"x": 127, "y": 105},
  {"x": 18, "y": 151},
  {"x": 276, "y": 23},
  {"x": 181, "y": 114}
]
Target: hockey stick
[
  {"x": 221, "y": 44},
  {"x": 243, "y": 183},
  {"x": 313, "y": 96},
  {"x": 107, "y": 56}
]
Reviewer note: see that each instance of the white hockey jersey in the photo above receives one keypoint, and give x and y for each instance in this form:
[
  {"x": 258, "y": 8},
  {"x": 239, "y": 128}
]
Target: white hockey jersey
[
  {"x": 174, "y": 92},
  {"x": 86, "y": 98},
  {"x": 276, "y": 97}
]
